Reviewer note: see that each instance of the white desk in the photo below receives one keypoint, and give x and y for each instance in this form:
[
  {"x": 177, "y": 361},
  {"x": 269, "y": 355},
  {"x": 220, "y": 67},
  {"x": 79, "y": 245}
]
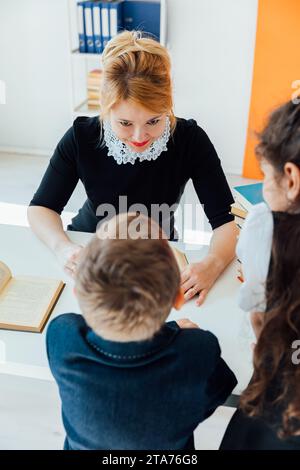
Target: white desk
[{"x": 24, "y": 354}]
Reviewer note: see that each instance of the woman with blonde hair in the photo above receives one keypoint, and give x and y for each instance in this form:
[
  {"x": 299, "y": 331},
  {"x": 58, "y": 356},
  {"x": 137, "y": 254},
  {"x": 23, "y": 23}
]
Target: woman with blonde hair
[{"x": 138, "y": 149}]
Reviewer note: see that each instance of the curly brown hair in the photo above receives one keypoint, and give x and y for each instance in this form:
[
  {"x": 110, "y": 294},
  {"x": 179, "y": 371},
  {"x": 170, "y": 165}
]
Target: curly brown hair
[{"x": 274, "y": 389}]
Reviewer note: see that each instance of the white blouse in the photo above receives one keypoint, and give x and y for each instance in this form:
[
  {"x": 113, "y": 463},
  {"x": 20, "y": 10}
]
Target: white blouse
[{"x": 254, "y": 252}]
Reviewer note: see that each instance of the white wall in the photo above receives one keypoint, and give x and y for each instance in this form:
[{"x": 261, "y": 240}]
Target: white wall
[
  {"x": 35, "y": 65},
  {"x": 212, "y": 46}
]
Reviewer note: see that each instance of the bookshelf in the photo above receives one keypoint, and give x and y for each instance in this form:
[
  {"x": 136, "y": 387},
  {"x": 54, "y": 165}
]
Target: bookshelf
[
  {"x": 75, "y": 52},
  {"x": 82, "y": 63}
]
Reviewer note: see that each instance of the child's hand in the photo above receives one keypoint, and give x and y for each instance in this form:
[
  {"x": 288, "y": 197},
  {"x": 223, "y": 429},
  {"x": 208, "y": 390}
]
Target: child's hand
[
  {"x": 257, "y": 322},
  {"x": 240, "y": 275},
  {"x": 186, "y": 323},
  {"x": 68, "y": 256}
]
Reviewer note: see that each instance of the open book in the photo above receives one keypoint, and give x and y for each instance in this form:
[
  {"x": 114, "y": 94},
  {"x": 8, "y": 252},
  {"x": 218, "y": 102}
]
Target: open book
[
  {"x": 180, "y": 258},
  {"x": 26, "y": 302}
]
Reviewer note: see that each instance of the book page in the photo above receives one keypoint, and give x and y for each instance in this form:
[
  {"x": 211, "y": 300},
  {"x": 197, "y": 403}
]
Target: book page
[
  {"x": 5, "y": 275},
  {"x": 180, "y": 258},
  {"x": 25, "y": 300}
]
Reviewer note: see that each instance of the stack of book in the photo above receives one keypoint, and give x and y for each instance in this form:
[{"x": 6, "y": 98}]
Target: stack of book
[
  {"x": 245, "y": 197},
  {"x": 93, "y": 88}
]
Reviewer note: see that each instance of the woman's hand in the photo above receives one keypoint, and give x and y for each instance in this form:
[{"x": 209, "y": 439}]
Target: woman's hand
[
  {"x": 68, "y": 255},
  {"x": 198, "y": 278}
]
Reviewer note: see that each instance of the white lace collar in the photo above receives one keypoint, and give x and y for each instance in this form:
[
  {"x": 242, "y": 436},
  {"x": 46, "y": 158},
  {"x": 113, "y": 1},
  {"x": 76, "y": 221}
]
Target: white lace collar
[{"x": 123, "y": 154}]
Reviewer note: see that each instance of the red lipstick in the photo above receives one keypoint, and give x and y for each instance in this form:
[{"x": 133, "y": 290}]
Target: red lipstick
[{"x": 140, "y": 144}]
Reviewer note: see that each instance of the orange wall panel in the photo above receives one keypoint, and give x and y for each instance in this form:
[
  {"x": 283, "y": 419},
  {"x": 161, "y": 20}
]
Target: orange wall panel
[{"x": 276, "y": 67}]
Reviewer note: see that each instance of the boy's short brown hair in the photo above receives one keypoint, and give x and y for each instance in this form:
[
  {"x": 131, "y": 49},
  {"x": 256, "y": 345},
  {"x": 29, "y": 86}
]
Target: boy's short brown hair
[{"x": 127, "y": 287}]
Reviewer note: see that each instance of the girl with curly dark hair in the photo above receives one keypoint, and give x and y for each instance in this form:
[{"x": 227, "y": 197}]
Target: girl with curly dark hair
[{"x": 268, "y": 416}]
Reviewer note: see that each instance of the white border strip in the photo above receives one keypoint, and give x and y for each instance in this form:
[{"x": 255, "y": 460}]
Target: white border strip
[
  {"x": 24, "y": 370},
  {"x": 27, "y": 151}
]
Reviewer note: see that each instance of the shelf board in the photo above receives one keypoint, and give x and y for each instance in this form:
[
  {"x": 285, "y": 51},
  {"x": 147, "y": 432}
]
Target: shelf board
[
  {"x": 83, "y": 110},
  {"x": 76, "y": 53}
]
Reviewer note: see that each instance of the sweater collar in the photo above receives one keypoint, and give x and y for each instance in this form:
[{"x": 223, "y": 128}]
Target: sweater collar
[{"x": 133, "y": 350}]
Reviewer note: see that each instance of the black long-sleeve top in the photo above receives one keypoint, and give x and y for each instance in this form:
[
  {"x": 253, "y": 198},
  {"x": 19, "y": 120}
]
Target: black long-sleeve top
[{"x": 80, "y": 155}]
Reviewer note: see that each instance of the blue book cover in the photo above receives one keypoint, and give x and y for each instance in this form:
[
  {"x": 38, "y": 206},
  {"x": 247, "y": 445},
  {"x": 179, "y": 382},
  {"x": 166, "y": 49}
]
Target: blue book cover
[
  {"x": 143, "y": 16},
  {"x": 249, "y": 195}
]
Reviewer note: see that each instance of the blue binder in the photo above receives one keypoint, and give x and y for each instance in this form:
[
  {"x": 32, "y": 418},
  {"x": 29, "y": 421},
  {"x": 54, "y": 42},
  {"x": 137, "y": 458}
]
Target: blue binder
[
  {"x": 115, "y": 17},
  {"x": 105, "y": 23},
  {"x": 88, "y": 14},
  {"x": 142, "y": 15},
  {"x": 97, "y": 27},
  {"x": 81, "y": 26}
]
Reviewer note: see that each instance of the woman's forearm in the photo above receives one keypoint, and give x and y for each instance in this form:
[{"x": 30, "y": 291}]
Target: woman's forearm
[
  {"x": 47, "y": 226},
  {"x": 223, "y": 245}
]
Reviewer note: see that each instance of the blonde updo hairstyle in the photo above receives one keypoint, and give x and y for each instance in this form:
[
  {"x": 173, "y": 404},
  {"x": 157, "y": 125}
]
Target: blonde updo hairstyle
[{"x": 136, "y": 68}]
